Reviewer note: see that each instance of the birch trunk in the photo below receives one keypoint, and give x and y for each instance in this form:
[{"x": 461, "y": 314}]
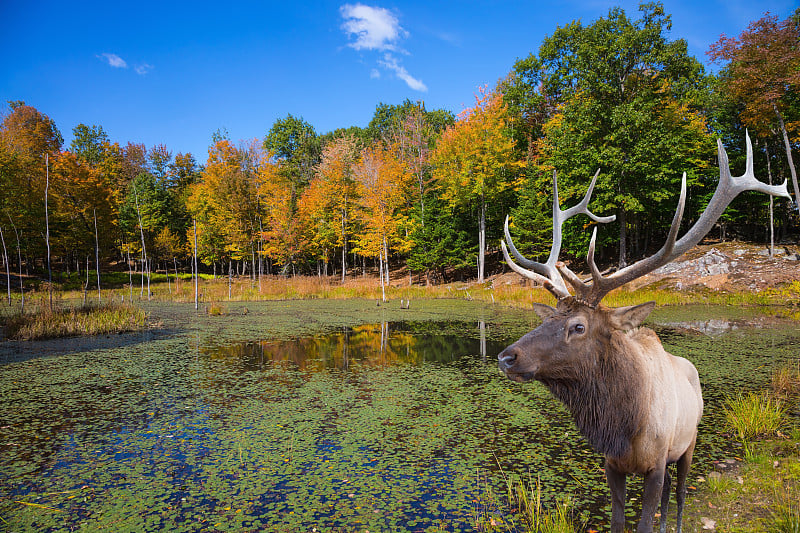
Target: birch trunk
[
  {"x": 482, "y": 242},
  {"x": 97, "y": 255},
  {"x": 788, "y": 147},
  {"x": 47, "y": 228},
  {"x": 8, "y": 268}
]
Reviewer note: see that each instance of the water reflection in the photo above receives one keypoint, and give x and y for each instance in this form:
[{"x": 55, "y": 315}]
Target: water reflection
[{"x": 373, "y": 345}]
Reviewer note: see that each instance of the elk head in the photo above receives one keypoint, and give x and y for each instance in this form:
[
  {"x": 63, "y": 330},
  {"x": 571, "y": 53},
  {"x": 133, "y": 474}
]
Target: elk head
[{"x": 580, "y": 320}]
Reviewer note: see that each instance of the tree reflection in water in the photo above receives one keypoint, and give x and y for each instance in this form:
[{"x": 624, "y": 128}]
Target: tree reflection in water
[{"x": 382, "y": 344}]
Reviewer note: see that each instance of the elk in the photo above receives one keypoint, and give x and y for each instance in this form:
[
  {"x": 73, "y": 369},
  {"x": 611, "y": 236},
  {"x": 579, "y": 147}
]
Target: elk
[{"x": 634, "y": 402}]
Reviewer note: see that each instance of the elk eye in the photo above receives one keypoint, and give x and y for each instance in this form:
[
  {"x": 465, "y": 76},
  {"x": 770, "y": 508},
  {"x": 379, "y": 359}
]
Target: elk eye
[{"x": 577, "y": 328}]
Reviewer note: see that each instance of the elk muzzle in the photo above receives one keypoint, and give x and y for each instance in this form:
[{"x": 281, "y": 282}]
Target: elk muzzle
[{"x": 507, "y": 361}]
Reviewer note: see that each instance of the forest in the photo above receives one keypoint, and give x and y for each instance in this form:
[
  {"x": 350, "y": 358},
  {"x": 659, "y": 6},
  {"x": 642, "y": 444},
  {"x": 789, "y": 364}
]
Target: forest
[{"x": 428, "y": 190}]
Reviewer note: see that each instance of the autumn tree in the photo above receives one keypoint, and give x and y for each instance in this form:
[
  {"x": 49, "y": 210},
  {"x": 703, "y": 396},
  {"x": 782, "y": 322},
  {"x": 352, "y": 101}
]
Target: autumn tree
[
  {"x": 27, "y": 138},
  {"x": 210, "y": 233},
  {"x": 279, "y": 228},
  {"x": 225, "y": 202},
  {"x": 79, "y": 195},
  {"x": 763, "y": 73},
  {"x": 331, "y": 198},
  {"x": 475, "y": 163},
  {"x": 320, "y": 231},
  {"x": 412, "y": 131},
  {"x": 382, "y": 180}
]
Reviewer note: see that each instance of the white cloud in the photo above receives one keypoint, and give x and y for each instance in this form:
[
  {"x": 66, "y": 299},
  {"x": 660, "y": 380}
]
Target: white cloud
[
  {"x": 374, "y": 28},
  {"x": 143, "y": 69},
  {"x": 114, "y": 60},
  {"x": 389, "y": 62},
  {"x": 378, "y": 29}
]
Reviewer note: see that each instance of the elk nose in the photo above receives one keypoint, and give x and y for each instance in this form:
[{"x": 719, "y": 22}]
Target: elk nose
[{"x": 507, "y": 358}]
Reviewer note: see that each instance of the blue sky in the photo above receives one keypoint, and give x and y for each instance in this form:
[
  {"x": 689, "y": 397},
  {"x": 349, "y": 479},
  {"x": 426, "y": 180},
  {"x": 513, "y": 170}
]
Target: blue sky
[{"x": 173, "y": 73}]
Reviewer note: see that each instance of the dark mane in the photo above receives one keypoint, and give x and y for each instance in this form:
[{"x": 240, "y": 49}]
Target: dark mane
[{"x": 605, "y": 398}]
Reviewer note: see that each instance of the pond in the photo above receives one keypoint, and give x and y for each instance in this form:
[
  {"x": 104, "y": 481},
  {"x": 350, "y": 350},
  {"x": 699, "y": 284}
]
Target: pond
[{"x": 326, "y": 416}]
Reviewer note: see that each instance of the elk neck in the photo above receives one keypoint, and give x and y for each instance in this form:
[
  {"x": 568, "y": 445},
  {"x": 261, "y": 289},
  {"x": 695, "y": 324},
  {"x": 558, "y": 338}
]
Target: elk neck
[{"x": 605, "y": 394}]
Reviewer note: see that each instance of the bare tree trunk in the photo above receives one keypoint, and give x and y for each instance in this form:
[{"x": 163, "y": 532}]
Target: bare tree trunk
[
  {"x": 771, "y": 220},
  {"x": 482, "y": 241},
  {"x": 196, "y": 286},
  {"x": 788, "y": 147},
  {"x": 260, "y": 253},
  {"x": 386, "y": 258},
  {"x": 344, "y": 247},
  {"x": 86, "y": 285},
  {"x": 19, "y": 258},
  {"x": 47, "y": 228},
  {"x": 149, "y": 263},
  {"x": 253, "y": 254},
  {"x": 8, "y": 267},
  {"x": 130, "y": 274},
  {"x": 144, "y": 250},
  {"x": 380, "y": 276},
  {"x": 623, "y": 238},
  {"x": 97, "y": 254}
]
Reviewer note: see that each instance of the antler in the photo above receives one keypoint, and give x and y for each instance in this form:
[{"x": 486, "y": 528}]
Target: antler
[
  {"x": 548, "y": 273},
  {"x": 728, "y": 188}
]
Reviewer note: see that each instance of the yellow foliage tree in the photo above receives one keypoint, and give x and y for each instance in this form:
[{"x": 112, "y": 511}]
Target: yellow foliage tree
[
  {"x": 383, "y": 184},
  {"x": 475, "y": 161},
  {"x": 328, "y": 203}
]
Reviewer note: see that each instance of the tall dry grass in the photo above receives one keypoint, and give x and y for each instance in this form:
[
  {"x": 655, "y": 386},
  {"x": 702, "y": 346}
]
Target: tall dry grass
[
  {"x": 514, "y": 294},
  {"x": 45, "y": 322}
]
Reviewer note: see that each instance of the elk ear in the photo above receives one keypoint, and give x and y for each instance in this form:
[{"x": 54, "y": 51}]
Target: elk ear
[
  {"x": 626, "y": 318},
  {"x": 543, "y": 311}
]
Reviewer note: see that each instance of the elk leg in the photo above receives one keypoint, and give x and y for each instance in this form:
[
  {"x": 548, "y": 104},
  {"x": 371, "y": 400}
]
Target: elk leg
[
  {"x": 665, "y": 500},
  {"x": 616, "y": 482},
  {"x": 680, "y": 486},
  {"x": 653, "y": 485}
]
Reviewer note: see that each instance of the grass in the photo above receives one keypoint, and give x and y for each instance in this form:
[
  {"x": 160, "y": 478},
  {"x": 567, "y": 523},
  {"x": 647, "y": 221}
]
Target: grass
[
  {"x": 42, "y": 322},
  {"x": 527, "y": 497},
  {"x": 786, "y": 516},
  {"x": 754, "y": 414},
  {"x": 786, "y": 381},
  {"x": 763, "y": 494},
  {"x": 521, "y": 510}
]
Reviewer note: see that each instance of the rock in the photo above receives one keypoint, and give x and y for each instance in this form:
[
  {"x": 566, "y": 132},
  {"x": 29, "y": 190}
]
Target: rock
[
  {"x": 716, "y": 476},
  {"x": 708, "y": 524},
  {"x": 712, "y": 263}
]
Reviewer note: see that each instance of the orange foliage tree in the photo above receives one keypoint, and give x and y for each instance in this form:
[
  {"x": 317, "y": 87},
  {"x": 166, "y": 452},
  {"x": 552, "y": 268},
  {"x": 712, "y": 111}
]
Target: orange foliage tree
[{"x": 79, "y": 193}]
